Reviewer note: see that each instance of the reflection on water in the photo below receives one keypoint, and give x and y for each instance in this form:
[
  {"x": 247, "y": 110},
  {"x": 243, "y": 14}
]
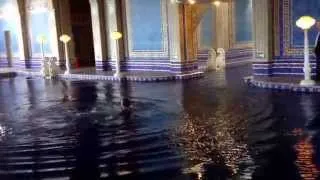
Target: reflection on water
[
  {"x": 2, "y": 132},
  {"x": 305, "y": 159},
  {"x": 212, "y": 128}
]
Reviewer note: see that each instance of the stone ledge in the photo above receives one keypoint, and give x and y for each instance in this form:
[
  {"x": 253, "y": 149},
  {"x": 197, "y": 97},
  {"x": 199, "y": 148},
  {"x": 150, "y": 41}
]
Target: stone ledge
[
  {"x": 282, "y": 86},
  {"x": 110, "y": 77}
]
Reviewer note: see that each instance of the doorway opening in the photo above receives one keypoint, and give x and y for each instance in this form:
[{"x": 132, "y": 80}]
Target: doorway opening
[{"x": 82, "y": 32}]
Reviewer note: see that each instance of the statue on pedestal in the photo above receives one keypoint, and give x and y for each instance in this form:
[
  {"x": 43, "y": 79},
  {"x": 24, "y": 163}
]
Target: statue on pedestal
[
  {"x": 212, "y": 55},
  {"x": 53, "y": 67},
  {"x": 45, "y": 67},
  {"x": 221, "y": 59},
  {"x": 49, "y": 68}
]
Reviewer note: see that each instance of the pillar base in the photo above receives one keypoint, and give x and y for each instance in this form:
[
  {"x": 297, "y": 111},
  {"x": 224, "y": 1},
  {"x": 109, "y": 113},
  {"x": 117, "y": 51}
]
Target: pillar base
[
  {"x": 67, "y": 73},
  {"x": 117, "y": 74},
  {"x": 307, "y": 82}
]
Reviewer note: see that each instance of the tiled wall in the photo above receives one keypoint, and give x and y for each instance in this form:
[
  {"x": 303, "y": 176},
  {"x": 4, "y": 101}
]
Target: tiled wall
[
  {"x": 240, "y": 35},
  {"x": 288, "y": 38}
]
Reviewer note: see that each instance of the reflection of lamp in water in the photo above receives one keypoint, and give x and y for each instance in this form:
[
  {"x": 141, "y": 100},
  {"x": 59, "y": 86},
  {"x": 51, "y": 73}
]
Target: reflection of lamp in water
[
  {"x": 116, "y": 36},
  {"x": 305, "y": 159},
  {"x": 305, "y": 23},
  {"x": 41, "y": 39},
  {"x": 65, "y": 39},
  {"x": 213, "y": 141}
]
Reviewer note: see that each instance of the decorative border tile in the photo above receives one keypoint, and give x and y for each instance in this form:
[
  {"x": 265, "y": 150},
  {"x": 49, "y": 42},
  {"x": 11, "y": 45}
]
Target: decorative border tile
[
  {"x": 169, "y": 77},
  {"x": 290, "y": 87}
]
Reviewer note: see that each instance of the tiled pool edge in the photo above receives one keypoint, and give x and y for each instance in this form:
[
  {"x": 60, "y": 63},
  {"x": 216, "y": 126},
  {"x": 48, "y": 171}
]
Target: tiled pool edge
[
  {"x": 289, "y": 87},
  {"x": 135, "y": 78}
]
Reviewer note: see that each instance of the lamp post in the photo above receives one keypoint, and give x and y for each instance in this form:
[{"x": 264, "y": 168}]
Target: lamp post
[
  {"x": 65, "y": 39},
  {"x": 116, "y": 36},
  {"x": 305, "y": 23},
  {"x": 42, "y": 40}
]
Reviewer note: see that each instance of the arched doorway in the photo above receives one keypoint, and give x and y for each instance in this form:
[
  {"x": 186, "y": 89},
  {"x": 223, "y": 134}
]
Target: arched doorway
[{"x": 82, "y": 32}]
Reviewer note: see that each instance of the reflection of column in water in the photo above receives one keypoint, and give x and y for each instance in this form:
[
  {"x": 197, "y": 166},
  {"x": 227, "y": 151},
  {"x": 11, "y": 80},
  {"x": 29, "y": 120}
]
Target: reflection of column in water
[
  {"x": 32, "y": 94},
  {"x": 220, "y": 78},
  {"x": 109, "y": 92},
  {"x": 88, "y": 149},
  {"x": 86, "y": 95},
  {"x": 65, "y": 90},
  {"x": 127, "y": 164},
  {"x": 87, "y": 152},
  {"x": 125, "y": 95},
  {"x": 308, "y": 109}
]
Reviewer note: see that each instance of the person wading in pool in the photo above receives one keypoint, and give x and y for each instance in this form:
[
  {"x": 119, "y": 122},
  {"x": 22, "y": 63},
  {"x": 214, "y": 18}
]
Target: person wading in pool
[{"x": 317, "y": 52}]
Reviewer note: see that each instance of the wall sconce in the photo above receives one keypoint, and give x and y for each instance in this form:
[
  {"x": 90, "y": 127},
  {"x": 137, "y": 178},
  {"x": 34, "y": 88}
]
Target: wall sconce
[{"x": 305, "y": 23}]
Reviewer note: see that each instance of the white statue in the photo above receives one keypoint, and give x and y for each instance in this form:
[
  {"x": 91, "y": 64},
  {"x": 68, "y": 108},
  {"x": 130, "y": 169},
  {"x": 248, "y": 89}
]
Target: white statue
[
  {"x": 45, "y": 67},
  {"x": 212, "y": 55},
  {"x": 221, "y": 59},
  {"x": 53, "y": 67}
]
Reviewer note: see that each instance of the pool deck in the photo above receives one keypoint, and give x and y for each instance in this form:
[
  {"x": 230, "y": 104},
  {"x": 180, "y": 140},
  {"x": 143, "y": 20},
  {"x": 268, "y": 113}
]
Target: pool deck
[
  {"x": 291, "y": 84},
  {"x": 92, "y": 74}
]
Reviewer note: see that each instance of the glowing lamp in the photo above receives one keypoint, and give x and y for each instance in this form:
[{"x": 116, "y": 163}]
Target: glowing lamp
[
  {"x": 305, "y": 22},
  {"x": 216, "y": 3},
  {"x": 42, "y": 39},
  {"x": 116, "y": 35},
  {"x": 65, "y": 38},
  {"x": 191, "y": 1}
]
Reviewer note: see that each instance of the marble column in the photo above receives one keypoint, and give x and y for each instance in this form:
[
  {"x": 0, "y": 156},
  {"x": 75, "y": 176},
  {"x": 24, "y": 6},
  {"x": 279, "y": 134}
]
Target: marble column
[
  {"x": 262, "y": 20},
  {"x": 99, "y": 35},
  {"x": 176, "y": 43},
  {"x": 22, "y": 35},
  {"x": 223, "y": 25},
  {"x": 114, "y": 20},
  {"x": 190, "y": 47},
  {"x": 182, "y": 46}
]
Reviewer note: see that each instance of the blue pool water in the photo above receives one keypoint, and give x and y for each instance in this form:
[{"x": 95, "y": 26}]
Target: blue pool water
[{"x": 56, "y": 129}]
